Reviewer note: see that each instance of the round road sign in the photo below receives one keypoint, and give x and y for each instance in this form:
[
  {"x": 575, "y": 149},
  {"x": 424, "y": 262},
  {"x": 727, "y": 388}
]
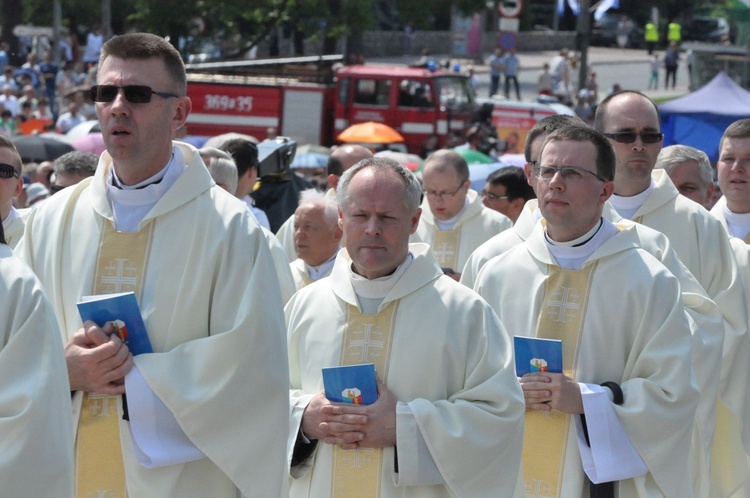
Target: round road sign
[
  {"x": 510, "y": 8},
  {"x": 507, "y": 40}
]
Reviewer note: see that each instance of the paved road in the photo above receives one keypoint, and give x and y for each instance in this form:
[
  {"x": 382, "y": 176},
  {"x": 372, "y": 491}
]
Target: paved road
[{"x": 629, "y": 68}]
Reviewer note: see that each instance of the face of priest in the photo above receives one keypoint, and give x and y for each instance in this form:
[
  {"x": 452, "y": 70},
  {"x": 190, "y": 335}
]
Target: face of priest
[
  {"x": 734, "y": 173},
  {"x": 377, "y": 223},
  {"x": 9, "y": 187},
  {"x": 139, "y": 136},
  {"x": 571, "y": 206},
  {"x": 686, "y": 176},
  {"x": 316, "y": 233},
  {"x": 631, "y": 112},
  {"x": 445, "y": 192}
]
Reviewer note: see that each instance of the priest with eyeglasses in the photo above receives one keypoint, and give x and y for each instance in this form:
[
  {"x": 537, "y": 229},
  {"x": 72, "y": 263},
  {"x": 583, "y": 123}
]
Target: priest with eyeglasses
[{"x": 618, "y": 419}]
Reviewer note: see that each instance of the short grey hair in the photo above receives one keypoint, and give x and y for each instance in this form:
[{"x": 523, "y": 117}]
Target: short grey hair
[
  {"x": 76, "y": 162},
  {"x": 224, "y": 172},
  {"x": 318, "y": 198},
  {"x": 212, "y": 152},
  {"x": 671, "y": 156},
  {"x": 412, "y": 187}
]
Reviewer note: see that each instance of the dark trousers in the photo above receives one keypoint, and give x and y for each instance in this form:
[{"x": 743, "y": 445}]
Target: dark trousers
[
  {"x": 671, "y": 71},
  {"x": 494, "y": 84},
  {"x": 650, "y": 46},
  {"x": 507, "y": 87}
]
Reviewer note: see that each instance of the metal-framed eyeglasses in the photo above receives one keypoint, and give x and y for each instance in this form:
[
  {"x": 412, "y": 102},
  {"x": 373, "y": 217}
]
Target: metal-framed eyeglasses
[
  {"x": 135, "y": 94},
  {"x": 492, "y": 197},
  {"x": 443, "y": 195},
  {"x": 568, "y": 173},
  {"x": 8, "y": 171},
  {"x": 628, "y": 137}
]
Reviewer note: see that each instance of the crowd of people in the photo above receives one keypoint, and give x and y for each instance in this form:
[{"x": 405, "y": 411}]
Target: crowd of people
[
  {"x": 590, "y": 243},
  {"x": 53, "y": 95}
]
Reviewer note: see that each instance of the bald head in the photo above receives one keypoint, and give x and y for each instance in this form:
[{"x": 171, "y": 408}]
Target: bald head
[
  {"x": 445, "y": 160},
  {"x": 342, "y": 159}
]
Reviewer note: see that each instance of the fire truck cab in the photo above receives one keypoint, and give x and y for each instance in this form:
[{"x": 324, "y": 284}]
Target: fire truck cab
[
  {"x": 313, "y": 99},
  {"x": 415, "y": 102}
]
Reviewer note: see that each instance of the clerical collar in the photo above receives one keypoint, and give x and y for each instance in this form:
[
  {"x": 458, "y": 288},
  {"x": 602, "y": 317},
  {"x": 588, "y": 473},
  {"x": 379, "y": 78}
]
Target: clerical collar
[
  {"x": 378, "y": 288},
  {"x": 14, "y": 214},
  {"x": 447, "y": 225},
  {"x": 738, "y": 223},
  {"x": 571, "y": 255},
  {"x": 130, "y": 204},
  {"x": 115, "y": 181},
  {"x": 317, "y": 272},
  {"x": 628, "y": 206}
]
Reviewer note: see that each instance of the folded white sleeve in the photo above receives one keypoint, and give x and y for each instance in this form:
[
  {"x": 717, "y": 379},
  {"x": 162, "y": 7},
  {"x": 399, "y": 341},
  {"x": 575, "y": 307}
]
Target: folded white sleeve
[
  {"x": 611, "y": 456},
  {"x": 416, "y": 467},
  {"x": 158, "y": 440}
]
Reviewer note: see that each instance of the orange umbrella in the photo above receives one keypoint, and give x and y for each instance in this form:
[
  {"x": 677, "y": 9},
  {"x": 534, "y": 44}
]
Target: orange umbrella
[
  {"x": 370, "y": 132},
  {"x": 34, "y": 125}
]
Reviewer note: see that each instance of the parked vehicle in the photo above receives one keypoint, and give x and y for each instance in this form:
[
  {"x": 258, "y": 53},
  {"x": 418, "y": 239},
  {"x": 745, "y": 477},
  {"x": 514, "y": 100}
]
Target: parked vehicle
[
  {"x": 313, "y": 99},
  {"x": 604, "y": 31},
  {"x": 707, "y": 29}
]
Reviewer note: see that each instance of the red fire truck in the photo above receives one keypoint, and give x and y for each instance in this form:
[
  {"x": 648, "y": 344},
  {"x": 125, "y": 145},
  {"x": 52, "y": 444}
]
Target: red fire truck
[{"x": 313, "y": 99}]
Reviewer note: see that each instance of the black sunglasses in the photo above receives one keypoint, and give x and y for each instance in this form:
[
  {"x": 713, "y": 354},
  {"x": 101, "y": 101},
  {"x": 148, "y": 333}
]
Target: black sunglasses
[
  {"x": 628, "y": 137},
  {"x": 135, "y": 94},
  {"x": 8, "y": 171}
]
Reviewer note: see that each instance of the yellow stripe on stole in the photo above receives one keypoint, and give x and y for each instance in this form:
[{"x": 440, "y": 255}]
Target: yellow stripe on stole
[
  {"x": 445, "y": 248},
  {"x": 747, "y": 239},
  {"x": 366, "y": 339},
  {"x": 545, "y": 438},
  {"x": 120, "y": 267}
]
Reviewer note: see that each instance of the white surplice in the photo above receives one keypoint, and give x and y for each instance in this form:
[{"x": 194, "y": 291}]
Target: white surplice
[
  {"x": 450, "y": 365},
  {"x": 212, "y": 308},
  {"x": 476, "y": 224},
  {"x": 35, "y": 415},
  {"x": 635, "y": 333}
]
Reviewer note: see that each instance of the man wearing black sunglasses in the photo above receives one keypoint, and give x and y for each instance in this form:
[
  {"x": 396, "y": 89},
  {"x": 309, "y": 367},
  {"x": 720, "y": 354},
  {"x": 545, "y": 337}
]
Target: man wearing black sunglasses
[
  {"x": 152, "y": 221},
  {"x": 631, "y": 122},
  {"x": 11, "y": 185}
]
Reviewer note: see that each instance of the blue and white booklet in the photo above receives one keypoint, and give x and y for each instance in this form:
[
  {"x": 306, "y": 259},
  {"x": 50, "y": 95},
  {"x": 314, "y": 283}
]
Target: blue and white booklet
[
  {"x": 534, "y": 354},
  {"x": 123, "y": 312},
  {"x": 351, "y": 384}
]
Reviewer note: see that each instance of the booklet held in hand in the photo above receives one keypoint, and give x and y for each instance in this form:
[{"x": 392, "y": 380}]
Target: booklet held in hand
[
  {"x": 122, "y": 311},
  {"x": 351, "y": 384}
]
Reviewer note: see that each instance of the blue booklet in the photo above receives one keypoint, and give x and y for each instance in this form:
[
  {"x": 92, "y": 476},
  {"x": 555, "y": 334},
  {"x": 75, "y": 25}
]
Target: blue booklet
[
  {"x": 122, "y": 311},
  {"x": 351, "y": 384},
  {"x": 534, "y": 354}
]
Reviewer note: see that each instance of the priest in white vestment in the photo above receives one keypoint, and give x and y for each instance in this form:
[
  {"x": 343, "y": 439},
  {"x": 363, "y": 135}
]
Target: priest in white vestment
[
  {"x": 626, "y": 340},
  {"x": 317, "y": 237},
  {"x": 207, "y": 409},
  {"x": 340, "y": 160},
  {"x": 11, "y": 186},
  {"x": 631, "y": 122},
  {"x": 447, "y": 422},
  {"x": 37, "y": 445},
  {"x": 454, "y": 220},
  {"x": 731, "y": 474}
]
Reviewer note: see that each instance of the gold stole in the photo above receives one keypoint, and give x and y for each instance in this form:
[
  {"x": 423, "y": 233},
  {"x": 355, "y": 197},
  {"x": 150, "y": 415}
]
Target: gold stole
[
  {"x": 445, "y": 247},
  {"x": 306, "y": 280},
  {"x": 366, "y": 339},
  {"x": 120, "y": 267},
  {"x": 747, "y": 239},
  {"x": 545, "y": 437}
]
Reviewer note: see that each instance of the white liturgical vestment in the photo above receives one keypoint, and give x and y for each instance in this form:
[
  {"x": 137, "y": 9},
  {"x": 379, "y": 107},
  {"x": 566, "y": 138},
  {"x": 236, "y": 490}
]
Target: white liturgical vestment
[
  {"x": 447, "y": 360},
  {"x": 37, "y": 444},
  {"x": 629, "y": 327},
  {"x": 475, "y": 225},
  {"x": 212, "y": 308}
]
